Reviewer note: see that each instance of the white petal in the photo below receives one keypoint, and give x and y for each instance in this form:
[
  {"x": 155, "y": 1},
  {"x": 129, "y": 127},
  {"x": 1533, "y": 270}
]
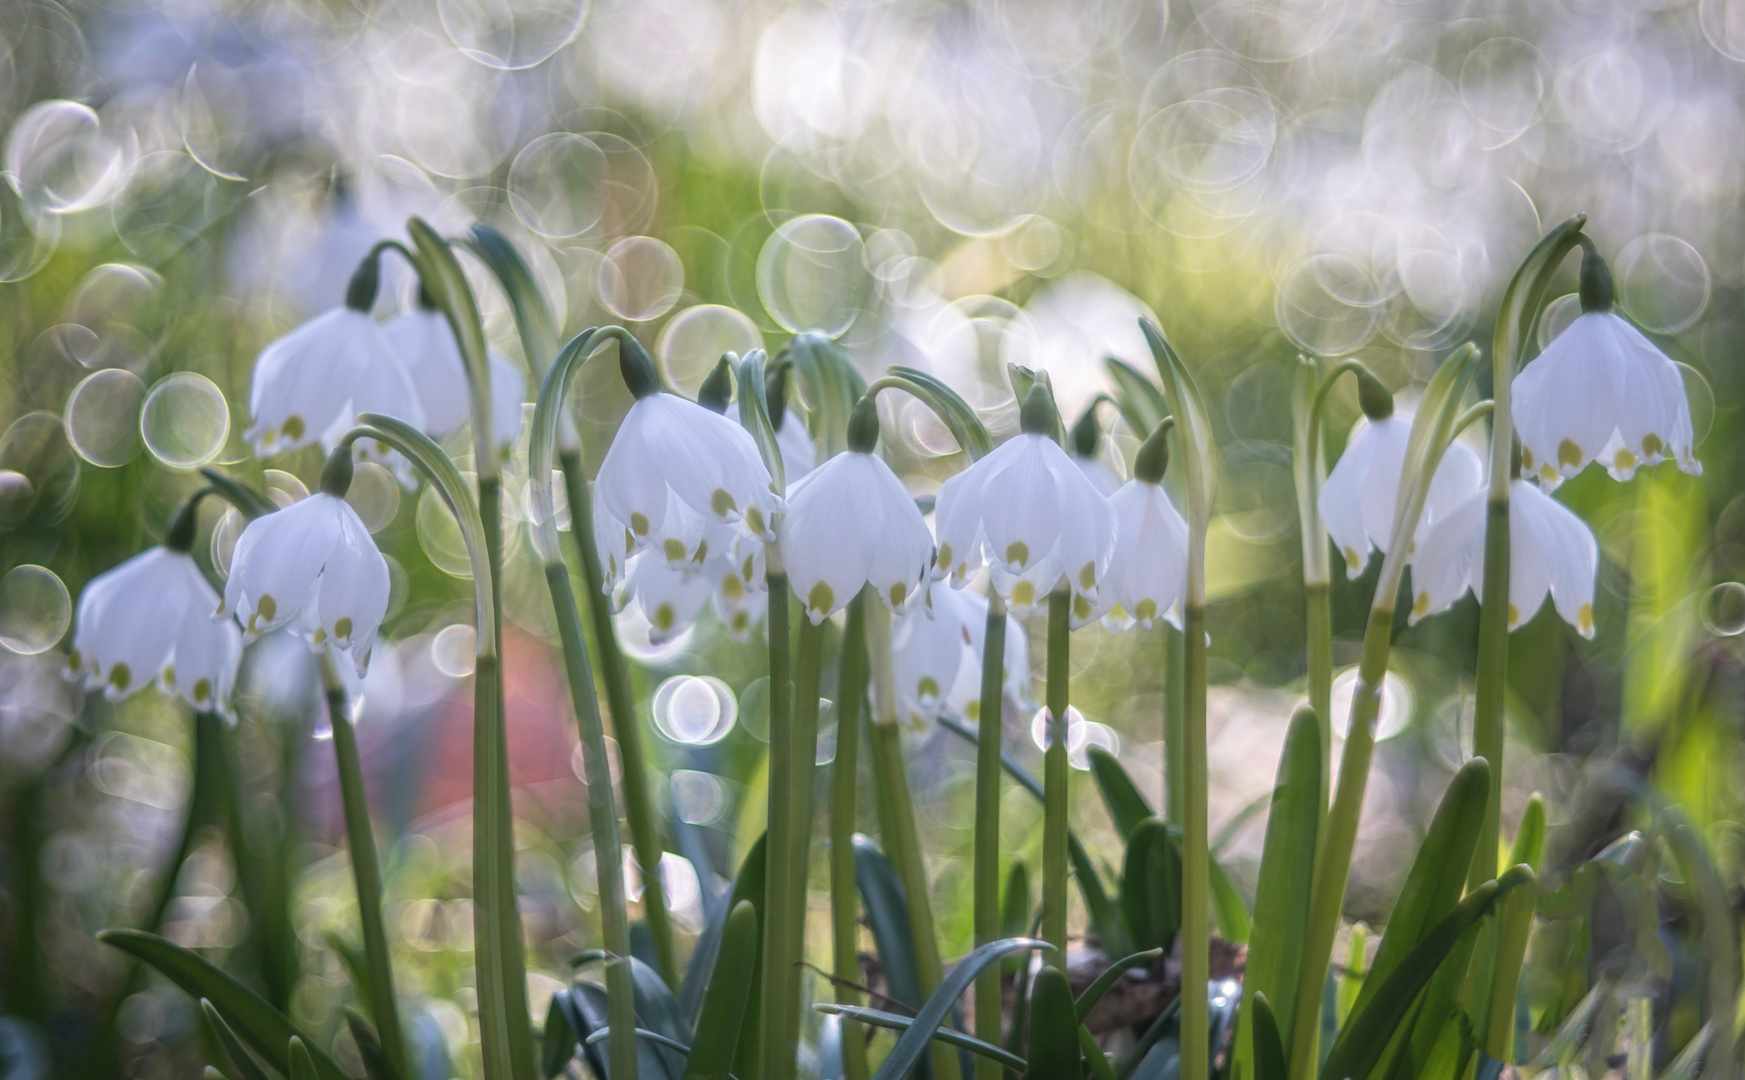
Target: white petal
[
  {"x": 319, "y": 374},
  {"x": 957, "y": 520},
  {"x": 903, "y": 551},
  {"x": 1566, "y": 400},
  {"x": 1567, "y": 550},
  {"x": 670, "y": 600},
  {"x": 354, "y": 588},
  {"x": 1149, "y": 573},
  {"x": 1087, "y": 531},
  {"x": 1381, "y": 486},
  {"x": 799, "y": 455},
  {"x": 508, "y": 394},
  {"x": 121, "y": 640},
  {"x": 277, "y": 561},
  {"x": 1341, "y": 500},
  {"x": 425, "y": 345},
  {"x": 1021, "y": 509},
  {"x": 832, "y": 526},
  {"x": 1449, "y": 559},
  {"x": 207, "y": 652}
]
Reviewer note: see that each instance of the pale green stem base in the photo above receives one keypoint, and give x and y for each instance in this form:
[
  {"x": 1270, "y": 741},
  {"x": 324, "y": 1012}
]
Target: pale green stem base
[
  {"x": 1196, "y": 875},
  {"x": 987, "y": 829},
  {"x": 1492, "y": 678},
  {"x": 780, "y": 1004},
  {"x": 1055, "y": 773},
  {"x": 366, "y": 872},
  {"x": 1318, "y": 617},
  {"x": 844, "y": 890}
]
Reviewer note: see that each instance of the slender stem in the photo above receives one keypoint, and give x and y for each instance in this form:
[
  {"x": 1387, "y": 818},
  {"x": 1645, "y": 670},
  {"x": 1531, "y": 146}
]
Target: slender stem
[
  {"x": 901, "y": 839},
  {"x": 602, "y": 822},
  {"x": 1196, "y": 876},
  {"x": 780, "y": 1006},
  {"x": 1333, "y": 866},
  {"x": 1318, "y": 611},
  {"x": 1175, "y": 707},
  {"x": 366, "y": 872},
  {"x": 803, "y": 769},
  {"x": 1473, "y": 415},
  {"x": 1492, "y": 678},
  {"x": 844, "y": 896},
  {"x": 1309, "y": 397},
  {"x": 987, "y": 827},
  {"x": 645, "y": 834},
  {"x": 1054, "y": 777}
]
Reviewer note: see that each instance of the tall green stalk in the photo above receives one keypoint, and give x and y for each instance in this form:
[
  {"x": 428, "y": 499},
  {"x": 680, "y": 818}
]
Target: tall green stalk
[
  {"x": 366, "y": 872},
  {"x": 987, "y": 827},
  {"x": 802, "y": 776},
  {"x": 1175, "y": 709},
  {"x": 844, "y": 893},
  {"x": 1055, "y": 774},
  {"x": 780, "y": 1015},
  {"x": 1310, "y": 468},
  {"x": 1515, "y": 319},
  {"x": 897, "y": 831}
]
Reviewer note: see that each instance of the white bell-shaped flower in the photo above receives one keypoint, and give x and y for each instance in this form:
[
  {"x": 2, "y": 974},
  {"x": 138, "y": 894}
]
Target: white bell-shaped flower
[
  {"x": 673, "y": 467},
  {"x": 795, "y": 443},
  {"x": 1031, "y": 515},
  {"x": 150, "y": 618},
  {"x": 851, "y": 524},
  {"x": 1360, "y": 497},
  {"x": 1550, "y": 550},
  {"x": 425, "y": 344},
  {"x": 732, "y": 575},
  {"x": 1148, "y": 576},
  {"x": 313, "y": 561},
  {"x": 1601, "y": 391},
  {"x": 936, "y": 656},
  {"x": 312, "y": 383}
]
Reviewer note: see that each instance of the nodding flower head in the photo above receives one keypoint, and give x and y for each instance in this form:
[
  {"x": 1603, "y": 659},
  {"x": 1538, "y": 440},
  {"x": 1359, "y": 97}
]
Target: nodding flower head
[
  {"x": 424, "y": 343},
  {"x": 936, "y": 656},
  {"x": 1148, "y": 575},
  {"x": 149, "y": 619},
  {"x": 1550, "y": 550},
  {"x": 314, "y": 561},
  {"x": 1032, "y": 516},
  {"x": 673, "y": 468}
]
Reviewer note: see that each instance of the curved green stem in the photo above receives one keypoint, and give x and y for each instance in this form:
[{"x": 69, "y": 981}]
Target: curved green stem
[
  {"x": 1055, "y": 774},
  {"x": 989, "y": 728},
  {"x": 441, "y": 275},
  {"x": 844, "y": 894},
  {"x": 366, "y": 872}
]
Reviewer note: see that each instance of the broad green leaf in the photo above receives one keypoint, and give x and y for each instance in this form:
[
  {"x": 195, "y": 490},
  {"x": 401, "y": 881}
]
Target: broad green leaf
[
  {"x": 656, "y": 1008},
  {"x": 263, "y": 1028},
  {"x": 1105, "y": 982},
  {"x": 588, "y": 1015},
  {"x": 887, "y": 913},
  {"x": 1095, "y": 1060},
  {"x": 1151, "y": 877},
  {"x": 702, "y": 959},
  {"x": 245, "y": 1064},
  {"x": 1529, "y": 845},
  {"x": 1363, "y": 1040},
  {"x": 1438, "y": 874},
  {"x": 643, "y": 1035},
  {"x": 913, "y": 1044},
  {"x": 369, "y": 1048},
  {"x": 721, "y": 1020},
  {"x": 1228, "y": 908},
  {"x": 749, "y": 886},
  {"x": 1054, "y": 1028},
  {"x": 560, "y": 1038},
  {"x": 895, "y": 1022},
  {"x": 1270, "y": 1062},
  {"x": 1127, "y": 807},
  {"x": 302, "y": 1065},
  {"x": 1015, "y": 909}
]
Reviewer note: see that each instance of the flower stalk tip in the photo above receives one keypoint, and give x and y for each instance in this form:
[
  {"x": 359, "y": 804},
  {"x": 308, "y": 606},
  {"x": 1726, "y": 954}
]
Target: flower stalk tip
[
  {"x": 337, "y": 473},
  {"x": 180, "y": 537},
  {"x": 863, "y": 426},
  {"x": 1376, "y": 399},
  {"x": 637, "y": 367},
  {"x": 1037, "y": 415},
  {"x": 1597, "y": 290},
  {"x": 718, "y": 387},
  {"x": 366, "y": 280},
  {"x": 1153, "y": 459}
]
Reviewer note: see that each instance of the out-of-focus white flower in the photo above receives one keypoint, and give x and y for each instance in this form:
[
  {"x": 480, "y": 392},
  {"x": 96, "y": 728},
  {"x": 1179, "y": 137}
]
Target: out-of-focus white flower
[
  {"x": 313, "y": 559},
  {"x": 936, "y": 656},
  {"x": 795, "y": 444},
  {"x": 673, "y": 467},
  {"x": 851, "y": 524},
  {"x": 732, "y": 574},
  {"x": 1550, "y": 550},
  {"x": 1149, "y": 573},
  {"x": 312, "y": 383},
  {"x": 1031, "y": 515},
  {"x": 149, "y": 618},
  {"x": 1360, "y": 496},
  {"x": 1601, "y": 391},
  {"x": 425, "y": 344},
  {"x": 1100, "y": 473}
]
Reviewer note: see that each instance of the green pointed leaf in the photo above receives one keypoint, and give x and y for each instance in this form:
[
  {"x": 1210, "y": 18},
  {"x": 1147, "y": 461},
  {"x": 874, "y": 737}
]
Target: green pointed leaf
[
  {"x": 913, "y": 1044},
  {"x": 261, "y": 1027},
  {"x": 887, "y": 913},
  {"x": 1015, "y": 910},
  {"x": 1529, "y": 845},
  {"x": 302, "y": 1065},
  {"x": 240, "y": 1058},
  {"x": 643, "y": 1035},
  {"x": 1151, "y": 878},
  {"x": 721, "y": 1021},
  {"x": 702, "y": 960},
  {"x": 1095, "y": 1060},
  {"x": 955, "y": 413},
  {"x": 895, "y": 1022},
  {"x": 1127, "y": 807},
  {"x": 1140, "y": 401},
  {"x": 1105, "y": 982},
  {"x": 560, "y": 1037},
  {"x": 1191, "y": 424},
  {"x": 1054, "y": 1028},
  {"x": 533, "y": 321},
  {"x": 1270, "y": 1062},
  {"x": 1228, "y": 907},
  {"x": 749, "y": 887},
  {"x": 1438, "y": 875},
  {"x": 1365, "y": 1037},
  {"x": 369, "y": 1048},
  {"x": 1287, "y": 872}
]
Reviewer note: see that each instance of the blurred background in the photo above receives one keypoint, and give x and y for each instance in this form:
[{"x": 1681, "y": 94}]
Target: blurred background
[{"x": 953, "y": 186}]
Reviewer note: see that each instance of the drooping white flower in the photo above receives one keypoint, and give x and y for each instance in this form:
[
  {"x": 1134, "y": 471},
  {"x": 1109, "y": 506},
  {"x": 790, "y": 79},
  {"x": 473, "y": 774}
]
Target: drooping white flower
[
  {"x": 795, "y": 444},
  {"x": 150, "y": 619},
  {"x": 313, "y": 560},
  {"x": 1149, "y": 574},
  {"x": 1550, "y": 550},
  {"x": 1031, "y": 515},
  {"x": 1601, "y": 391},
  {"x": 1360, "y": 496},
  {"x": 673, "y": 467},
  {"x": 731, "y": 574},
  {"x": 424, "y": 342},
  {"x": 851, "y": 524},
  {"x": 312, "y": 383},
  {"x": 936, "y": 656}
]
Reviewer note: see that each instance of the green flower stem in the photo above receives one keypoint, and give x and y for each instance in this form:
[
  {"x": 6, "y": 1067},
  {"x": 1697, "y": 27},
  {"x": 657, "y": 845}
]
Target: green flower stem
[
  {"x": 504, "y": 1024},
  {"x": 897, "y": 832},
  {"x": 602, "y": 821},
  {"x": 1196, "y": 853},
  {"x": 802, "y": 774},
  {"x": 987, "y": 827},
  {"x": 366, "y": 871},
  {"x": 1055, "y": 772},
  {"x": 1333, "y": 867},
  {"x": 844, "y": 894},
  {"x": 780, "y": 984},
  {"x": 1175, "y": 707}
]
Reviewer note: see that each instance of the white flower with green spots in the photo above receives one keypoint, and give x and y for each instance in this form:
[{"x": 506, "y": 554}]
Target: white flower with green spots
[
  {"x": 312, "y": 383},
  {"x": 852, "y": 524},
  {"x": 936, "y": 656},
  {"x": 1361, "y": 493}
]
